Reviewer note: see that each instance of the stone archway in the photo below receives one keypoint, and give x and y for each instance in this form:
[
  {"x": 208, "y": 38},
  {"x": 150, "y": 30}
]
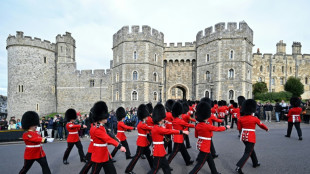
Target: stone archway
[{"x": 178, "y": 92}]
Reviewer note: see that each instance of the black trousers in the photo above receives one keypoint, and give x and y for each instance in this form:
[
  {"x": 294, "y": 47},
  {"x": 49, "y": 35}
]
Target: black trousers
[
  {"x": 179, "y": 147},
  {"x": 125, "y": 144},
  {"x": 140, "y": 150},
  {"x": 108, "y": 167},
  {"x": 212, "y": 149},
  {"x": 234, "y": 120},
  {"x": 297, "y": 126},
  {"x": 248, "y": 152},
  {"x": 160, "y": 162},
  {"x": 201, "y": 159},
  {"x": 87, "y": 165},
  {"x": 186, "y": 139},
  {"x": 168, "y": 143},
  {"x": 224, "y": 120},
  {"x": 306, "y": 118},
  {"x": 42, "y": 161},
  {"x": 69, "y": 148}
]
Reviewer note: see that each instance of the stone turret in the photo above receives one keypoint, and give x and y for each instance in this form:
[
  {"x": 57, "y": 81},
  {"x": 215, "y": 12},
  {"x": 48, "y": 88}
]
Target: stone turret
[
  {"x": 296, "y": 48},
  {"x": 65, "y": 47},
  {"x": 281, "y": 47}
]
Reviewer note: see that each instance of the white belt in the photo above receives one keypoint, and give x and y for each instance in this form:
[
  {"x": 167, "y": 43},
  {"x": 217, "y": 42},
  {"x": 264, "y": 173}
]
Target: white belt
[
  {"x": 160, "y": 142},
  {"x": 120, "y": 131},
  {"x": 245, "y": 130},
  {"x": 101, "y": 145},
  {"x": 204, "y": 138},
  {"x": 235, "y": 115},
  {"x": 222, "y": 114},
  {"x": 294, "y": 117},
  {"x": 73, "y": 132},
  {"x": 31, "y": 146},
  {"x": 168, "y": 122},
  {"x": 144, "y": 135},
  {"x": 91, "y": 140}
]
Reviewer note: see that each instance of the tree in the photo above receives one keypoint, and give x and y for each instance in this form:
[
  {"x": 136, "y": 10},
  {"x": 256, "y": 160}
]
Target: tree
[
  {"x": 259, "y": 87},
  {"x": 294, "y": 86}
]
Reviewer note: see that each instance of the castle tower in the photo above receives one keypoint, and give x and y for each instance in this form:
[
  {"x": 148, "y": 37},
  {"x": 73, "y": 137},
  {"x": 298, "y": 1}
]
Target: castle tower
[
  {"x": 31, "y": 75},
  {"x": 296, "y": 48},
  {"x": 281, "y": 47},
  {"x": 224, "y": 64},
  {"x": 137, "y": 66}
]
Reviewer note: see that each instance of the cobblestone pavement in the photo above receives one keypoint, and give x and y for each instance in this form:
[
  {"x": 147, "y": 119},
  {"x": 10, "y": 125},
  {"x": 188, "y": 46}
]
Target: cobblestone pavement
[{"x": 276, "y": 154}]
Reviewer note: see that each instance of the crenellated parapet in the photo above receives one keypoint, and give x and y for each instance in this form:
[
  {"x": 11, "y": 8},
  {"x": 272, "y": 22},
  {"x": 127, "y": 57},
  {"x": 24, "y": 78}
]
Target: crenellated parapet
[
  {"x": 21, "y": 40},
  {"x": 93, "y": 73},
  {"x": 147, "y": 34},
  {"x": 223, "y": 32},
  {"x": 66, "y": 38},
  {"x": 188, "y": 46}
]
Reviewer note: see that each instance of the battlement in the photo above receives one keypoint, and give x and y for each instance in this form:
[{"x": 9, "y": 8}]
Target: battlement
[
  {"x": 221, "y": 32},
  {"x": 21, "y": 40},
  {"x": 296, "y": 44},
  {"x": 147, "y": 34},
  {"x": 180, "y": 46},
  {"x": 67, "y": 38},
  {"x": 93, "y": 73}
]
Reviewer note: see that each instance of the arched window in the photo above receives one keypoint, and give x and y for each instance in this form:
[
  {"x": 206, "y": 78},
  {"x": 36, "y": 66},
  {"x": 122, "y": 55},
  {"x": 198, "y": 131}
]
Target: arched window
[
  {"x": 259, "y": 79},
  {"x": 155, "y": 77},
  {"x": 249, "y": 74},
  {"x": 92, "y": 83},
  {"x": 282, "y": 69},
  {"x": 274, "y": 69},
  {"x": 155, "y": 96},
  {"x": 273, "y": 81},
  {"x": 261, "y": 68},
  {"x": 116, "y": 96},
  {"x": 306, "y": 80},
  {"x": 231, "y": 94},
  {"x": 267, "y": 69},
  {"x": 207, "y": 57},
  {"x": 155, "y": 58},
  {"x": 281, "y": 80},
  {"x": 207, "y": 94},
  {"x": 44, "y": 59},
  {"x": 290, "y": 70},
  {"x": 208, "y": 76},
  {"x": 117, "y": 77},
  {"x": 135, "y": 75},
  {"x": 231, "y": 73},
  {"x": 231, "y": 54},
  {"x": 135, "y": 55},
  {"x": 134, "y": 96}
]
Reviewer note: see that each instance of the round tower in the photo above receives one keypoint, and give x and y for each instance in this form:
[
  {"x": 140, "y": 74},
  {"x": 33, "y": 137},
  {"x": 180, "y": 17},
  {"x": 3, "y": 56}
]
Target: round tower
[
  {"x": 31, "y": 75},
  {"x": 224, "y": 64},
  {"x": 137, "y": 66}
]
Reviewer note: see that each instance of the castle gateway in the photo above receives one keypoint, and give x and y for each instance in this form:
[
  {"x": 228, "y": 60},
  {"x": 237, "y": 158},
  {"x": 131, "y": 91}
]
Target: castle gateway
[{"x": 43, "y": 76}]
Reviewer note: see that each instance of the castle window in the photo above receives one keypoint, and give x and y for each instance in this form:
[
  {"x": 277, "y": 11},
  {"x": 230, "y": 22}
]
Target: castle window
[
  {"x": 20, "y": 88},
  {"x": 272, "y": 90},
  {"x": 135, "y": 75},
  {"x": 207, "y": 94},
  {"x": 231, "y": 74},
  {"x": 37, "y": 107},
  {"x": 155, "y": 58},
  {"x": 230, "y": 94},
  {"x": 173, "y": 92},
  {"x": 273, "y": 81},
  {"x": 290, "y": 70},
  {"x": 134, "y": 96},
  {"x": 281, "y": 80},
  {"x": 273, "y": 69},
  {"x": 282, "y": 69},
  {"x": 61, "y": 48},
  {"x": 249, "y": 74},
  {"x": 231, "y": 54},
  {"x": 208, "y": 76},
  {"x": 135, "y": 55},
  {"x": 117, "y": 77},
  {"x": 155, "y": 96},
  {"x": 306, "y": 80},
  {"x": 44, "y": 59},
  {"x": 207, "y": 57},
  {"x": 261, "y": 68},
  {"x": 116, "y": 96},
  {"x": 92, "y": 83},
  {"x": 259, "y": 79},
  {"x": 155, "y": 77},
  {"x": 267, "y": 68}
]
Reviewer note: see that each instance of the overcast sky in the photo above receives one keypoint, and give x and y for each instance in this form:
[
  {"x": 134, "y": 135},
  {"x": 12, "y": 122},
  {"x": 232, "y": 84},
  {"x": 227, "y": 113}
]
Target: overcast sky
[{"x": 93, "y": 23}]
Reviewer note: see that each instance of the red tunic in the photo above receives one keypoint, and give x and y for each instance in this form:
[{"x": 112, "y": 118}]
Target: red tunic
[
  {"x": 158, "y": 133},
  {"x": 91, "y": 132},
  {"x": 235, "y": 112},
  {"x": 294, "y": 114},
  {"x": 73, "y": 135},
  {"x": 216, "y": 106},
  {"x": 143, "y": 129},
  {"x": 100, "y": 150},
  {"x": 230, "y": 107},
  {"x": 149, "y": 121},
  {"x": 213, "y": 118},
  {"x": 33, "y": 148},
  {"x": 179, "y": 124},
  {"x": 246, "y": 124},
  {"x": 169, "y": 119},
  {"x": 204, "y": 133},
  {"x": 221, "y": 112},
  {"x": 121, "y": 128}
]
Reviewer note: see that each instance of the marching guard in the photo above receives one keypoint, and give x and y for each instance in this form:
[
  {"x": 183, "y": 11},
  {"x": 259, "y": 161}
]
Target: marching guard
[
  {"x": 168, "y": 121},
  {"x": 294, "y": 117}
]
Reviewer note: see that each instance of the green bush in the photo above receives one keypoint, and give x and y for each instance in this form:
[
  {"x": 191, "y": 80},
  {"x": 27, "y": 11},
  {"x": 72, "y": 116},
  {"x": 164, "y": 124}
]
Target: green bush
[{"x": 273, "y": 96}]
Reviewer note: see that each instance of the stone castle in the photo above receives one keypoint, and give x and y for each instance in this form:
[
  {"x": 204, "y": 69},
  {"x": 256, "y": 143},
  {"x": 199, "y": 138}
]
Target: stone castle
[{"x": 219, "y": 64}]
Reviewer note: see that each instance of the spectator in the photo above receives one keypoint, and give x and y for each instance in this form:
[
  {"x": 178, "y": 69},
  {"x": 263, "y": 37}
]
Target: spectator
[
  {"x": 4, "y": 124},
  {"x": 58, "y": 128},
  {"x": 307, "y": 112},
  {"x": 284, "y": 109},
  {"x": 13, "y": 119},
  {"x": 87, "y": 123},
  {"x": 44, "y": 127},
  {"x": 12, "y": 125},
  {"x": 257, "y": 113},
  {"x": 18, "y": 124},
  {"x": 268, "y": 110},
  {"x": 278, "y": 110},
  {"x": 49, "y": 127}
]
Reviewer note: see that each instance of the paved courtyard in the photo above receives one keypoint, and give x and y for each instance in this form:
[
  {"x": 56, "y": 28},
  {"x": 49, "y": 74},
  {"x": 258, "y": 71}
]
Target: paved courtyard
[{"x": 276, "y": 154}]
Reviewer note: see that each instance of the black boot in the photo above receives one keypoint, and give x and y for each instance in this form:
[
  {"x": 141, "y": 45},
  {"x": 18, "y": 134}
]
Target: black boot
[
  {"x": 300, "y": 138},
  {"x": 238, "y": 169},
  {"x": 65, "y": 162},
  {"x": 256, "y": 165}
]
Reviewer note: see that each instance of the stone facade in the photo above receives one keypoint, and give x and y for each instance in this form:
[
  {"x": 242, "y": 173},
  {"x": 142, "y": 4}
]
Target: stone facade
[{"x": 218, "y": 64}]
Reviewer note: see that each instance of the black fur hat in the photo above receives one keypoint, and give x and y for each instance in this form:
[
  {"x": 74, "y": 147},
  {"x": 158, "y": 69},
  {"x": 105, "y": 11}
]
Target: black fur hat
[
  {"x": 159, "y": 113},
  {"x": 203, "y": 111},
  {"x": 235, "y": 105},
  {"x": 185, "y": 108},
  {"x": 120, "y": 113},
  {"x": 220, "y": 103},
  {"x": 30, "y": 118},
  {"x": 99, "y": 111},
  {"x": 248, "y": 107},
  {"x": 215, "y": 102},
  {"x": 149, "y": 108},
  {"x": 168, "y": 105},
  {"x": 70, "y": 114},
  {"x": 231, "y": 101},
  {"x": 177, "y": 109},
  {"x": 208, "y": 100},
  {"x": 241, "y": 99},
  {"x": 224, "y": 103},
  {"x": 142, "y": 112},
  {"x": 295, "y": 102}
]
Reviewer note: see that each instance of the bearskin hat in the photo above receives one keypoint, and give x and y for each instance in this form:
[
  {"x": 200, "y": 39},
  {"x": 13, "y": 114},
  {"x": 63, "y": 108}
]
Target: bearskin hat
[
  {"x": 185, "y": 108},
  {"x": 99, "y": 111},
  {"x": 231, "y": 101},
  {"x": 177, "y": 109},
  {"x": 168, "y": 105},
  {"x": 158, "y": 113},
  {"x": 30, "y": 118},
  {"x": 215, "y": 102},
  {"x": 203, "y": 111},
  {"x": 208, "y": 100},
  {"x": 149, "y": 108},
  {"x": 70, "y": 114},
  {"x": 295, "y": 101},
  {"x": 120, "y": 113},
  {"x": 248, "y": 107},
  {"x": 220, "y": 103},
  {"x": 235, "y": 105},
  {"x": 241, "y": 99},
  {"x": 224, "y": 103},
  {"x": 142, "y": 112}
]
